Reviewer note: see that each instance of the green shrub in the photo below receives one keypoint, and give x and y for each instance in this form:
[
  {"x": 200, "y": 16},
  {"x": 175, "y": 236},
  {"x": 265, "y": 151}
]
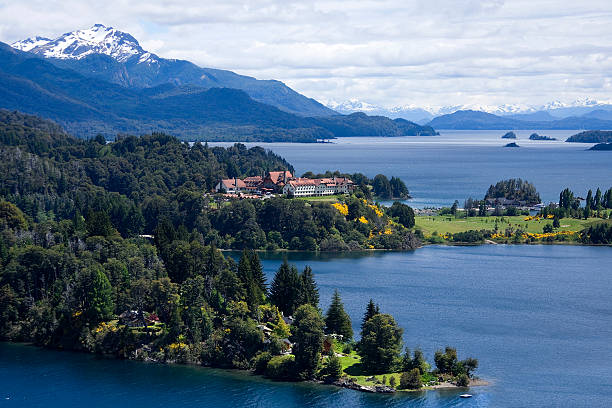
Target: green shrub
[
  {"x": 281, "y": 367},
  {"x": 463, "y": 380},
  {"x": 260, "y": 362},
  {"x": 411, "y": 380}
]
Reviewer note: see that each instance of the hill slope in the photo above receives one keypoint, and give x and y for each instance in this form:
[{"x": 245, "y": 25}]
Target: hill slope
[{"x": 114, "y": 56}]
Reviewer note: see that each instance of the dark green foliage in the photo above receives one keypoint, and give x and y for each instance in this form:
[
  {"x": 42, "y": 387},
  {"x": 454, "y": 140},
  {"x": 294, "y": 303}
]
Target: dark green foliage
[
  {"x": 333, "y": 370},
  {"x": 307, "y": 336},
  {"x": 514, "y": 189},
  {"x": 260, "y": 362},
  {"x": 372, "y": 309},
  {"x": 381, "y": 343},
  {"x": 96, "y": 295},
  {"x": 403, "y": 213},
  {"x": 411, "y": 380},
  {"x": 547, "y": 229},
  {"x": 471, "y": 236},
  {"x": 600, "y": 233},
  {"x": 462, "y": 380},
  {"x": 309, "y": 292},
  {"x": 285, "y": 290},
  {"x": 337, "y": 320},
  {"x": 382, "y": 187},
  {"x": 281, "y": 367}
]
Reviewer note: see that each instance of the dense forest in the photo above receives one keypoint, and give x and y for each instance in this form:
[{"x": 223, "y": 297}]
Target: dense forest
[
  {"x": 142, "y": 184},
  {"x": 112, "y": 248}
]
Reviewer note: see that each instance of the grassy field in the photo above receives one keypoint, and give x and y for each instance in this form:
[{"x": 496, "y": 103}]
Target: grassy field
[
  {"x": 351, "y": 367},
  {"x": 443, "y": 224},
  {"x": 329, "y": 198}
]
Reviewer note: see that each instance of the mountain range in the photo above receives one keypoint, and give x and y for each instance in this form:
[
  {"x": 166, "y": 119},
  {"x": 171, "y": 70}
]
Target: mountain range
[
  {"x": 101, "y": 81},
  {"x": 114, "y": 56},
  {"x": 477, "y": 120},
  {"x": 580, "y": 114}
]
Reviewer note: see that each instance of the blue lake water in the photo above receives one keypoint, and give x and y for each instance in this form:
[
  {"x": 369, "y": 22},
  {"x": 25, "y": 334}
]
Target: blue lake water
[
  {"x": 459, "y": 164},
  {"x": 538, "y": 318}
]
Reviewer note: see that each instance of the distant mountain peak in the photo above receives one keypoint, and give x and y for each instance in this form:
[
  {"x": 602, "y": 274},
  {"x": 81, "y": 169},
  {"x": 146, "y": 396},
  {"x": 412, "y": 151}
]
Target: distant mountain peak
[{"x": 98, "y": 39}]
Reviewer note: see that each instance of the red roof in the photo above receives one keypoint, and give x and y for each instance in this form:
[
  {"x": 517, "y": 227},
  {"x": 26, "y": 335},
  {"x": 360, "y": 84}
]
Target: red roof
[
  {"x": 277, "y": 176},
  {"x": 233, "y": 183}
]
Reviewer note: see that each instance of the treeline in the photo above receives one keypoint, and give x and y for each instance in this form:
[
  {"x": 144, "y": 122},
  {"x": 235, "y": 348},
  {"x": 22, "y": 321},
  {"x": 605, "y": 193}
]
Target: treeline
[
  {"x": 137, "y": 183},
  {"x": 380, "y": 186},
  {"x": 514, "y": 189}
]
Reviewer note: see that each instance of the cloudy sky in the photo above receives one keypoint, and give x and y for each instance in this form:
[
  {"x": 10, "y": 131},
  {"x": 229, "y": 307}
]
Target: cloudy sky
[{"x": 386, "y": 52}]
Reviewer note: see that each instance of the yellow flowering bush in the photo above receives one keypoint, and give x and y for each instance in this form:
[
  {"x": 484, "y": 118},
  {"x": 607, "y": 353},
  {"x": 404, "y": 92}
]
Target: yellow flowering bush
[
  {"x": 363, "y": 220},
  {"x": 341, "y": 207}
]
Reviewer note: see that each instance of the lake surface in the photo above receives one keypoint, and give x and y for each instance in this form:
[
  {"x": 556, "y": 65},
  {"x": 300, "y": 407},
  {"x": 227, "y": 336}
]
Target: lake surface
[
  {"x": 458, "y": 164},
  {"x": 538, "y": 318}
]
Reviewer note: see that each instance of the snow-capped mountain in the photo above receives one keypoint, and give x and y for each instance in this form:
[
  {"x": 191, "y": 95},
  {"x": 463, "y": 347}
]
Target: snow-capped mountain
[
  {"x": 98, "y": 39},
  {"x": 422, "y": 114},
  {"x": 114, "y": 56}
]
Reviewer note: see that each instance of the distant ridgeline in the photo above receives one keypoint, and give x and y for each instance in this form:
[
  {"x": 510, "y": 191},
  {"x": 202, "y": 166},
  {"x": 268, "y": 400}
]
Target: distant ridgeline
[
  {"x": 592, "y": 136},
  {"x": 86, "y": 105}
]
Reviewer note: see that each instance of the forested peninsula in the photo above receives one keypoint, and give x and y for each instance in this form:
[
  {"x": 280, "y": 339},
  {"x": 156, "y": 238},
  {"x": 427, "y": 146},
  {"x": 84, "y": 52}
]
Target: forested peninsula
[{"x": 112, "y": 248}]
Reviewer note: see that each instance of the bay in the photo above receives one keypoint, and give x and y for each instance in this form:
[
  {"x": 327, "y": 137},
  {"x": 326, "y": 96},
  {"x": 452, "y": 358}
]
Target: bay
[
  {"x": 538, "y": 318},
  {"x": 458, "y": 164}
]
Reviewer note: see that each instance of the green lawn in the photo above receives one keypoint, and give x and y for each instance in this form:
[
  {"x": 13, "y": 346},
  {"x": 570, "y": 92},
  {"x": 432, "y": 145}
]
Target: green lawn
[
  {"x": 351, "y": 367},
  {"x": 329, "y": 198},
  {"x": 448, "y": 224}
]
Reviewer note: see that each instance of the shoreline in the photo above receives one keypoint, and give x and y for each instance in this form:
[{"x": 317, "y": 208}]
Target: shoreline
[
  {"x": 342, "y": 382},
  {"x": 449, "y": 244}
]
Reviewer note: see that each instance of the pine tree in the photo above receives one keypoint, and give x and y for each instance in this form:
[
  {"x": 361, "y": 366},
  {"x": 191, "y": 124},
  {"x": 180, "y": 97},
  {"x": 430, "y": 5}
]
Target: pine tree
[
  {"x": 337, "y": 320},
  {"x": 371, "y": 310},
  {"x": 590, "y": 204},
  {"x": 309, "y": 292},
  {"x": 285, "y": 289},
  {"x": 259, "y": 278},
  {"x": 99, "y": 296},
  {"x": 598, "y": 200}
]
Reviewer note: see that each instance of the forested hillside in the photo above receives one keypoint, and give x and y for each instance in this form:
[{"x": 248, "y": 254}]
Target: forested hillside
[{"x": 111, "y": 248}]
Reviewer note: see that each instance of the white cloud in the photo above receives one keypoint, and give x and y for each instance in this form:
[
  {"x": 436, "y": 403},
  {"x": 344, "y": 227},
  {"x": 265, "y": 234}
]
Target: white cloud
[{"x": 437, "y": 52}]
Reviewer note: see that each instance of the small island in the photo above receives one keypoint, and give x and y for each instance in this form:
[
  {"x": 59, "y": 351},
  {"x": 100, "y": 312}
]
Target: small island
[
  {"x": 602, "y": 147},
  {"x": 513, "y": 144},
  {"x": 591, "y": 136},
  {"x": 509, "y": 135},
  {"x": 535, "y": 136}
]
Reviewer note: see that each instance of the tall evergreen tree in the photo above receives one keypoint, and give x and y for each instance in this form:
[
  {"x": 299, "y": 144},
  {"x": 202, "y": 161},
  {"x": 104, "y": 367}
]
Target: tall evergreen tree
[
  {"x": 590, "y": 204},
  {"x": 285, "y": 289},
  {"x": 309, "y": 292},
  {"x": 598, "y": 200},
  {"x": 337, "y": 320},
  {"x": 381, "y": 343},
  {"x": 371, "y": 310},
  {"x": 99, "y": 295},
  {"x": 259, "y": 278}
]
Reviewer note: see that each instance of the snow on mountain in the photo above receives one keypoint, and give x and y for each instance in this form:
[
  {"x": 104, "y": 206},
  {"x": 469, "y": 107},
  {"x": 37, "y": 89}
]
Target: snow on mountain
[
  {"x": 98, "y": 39},
  {"x": 557, "y": 108},
  {"x": 30, "y": 43}
]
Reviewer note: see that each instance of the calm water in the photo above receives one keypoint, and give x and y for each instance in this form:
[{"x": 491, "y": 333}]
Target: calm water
[
  {"x": 459, "y": 164},
  {"x": 539, "y": 318}
]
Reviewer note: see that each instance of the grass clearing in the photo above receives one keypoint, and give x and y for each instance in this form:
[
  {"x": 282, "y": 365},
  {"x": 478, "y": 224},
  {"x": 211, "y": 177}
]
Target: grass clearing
[{"x": 443, "y": 224}]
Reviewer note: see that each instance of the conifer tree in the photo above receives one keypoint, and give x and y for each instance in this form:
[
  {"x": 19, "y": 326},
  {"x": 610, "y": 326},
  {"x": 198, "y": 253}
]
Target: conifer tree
[
  {"x": 309, "y": 292},
  {"x": 371, "y": 310},
  {"x": 285, "y": 289},
  {"x": 337, "y": 320},
  {"x": 259, "y": 278}
]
